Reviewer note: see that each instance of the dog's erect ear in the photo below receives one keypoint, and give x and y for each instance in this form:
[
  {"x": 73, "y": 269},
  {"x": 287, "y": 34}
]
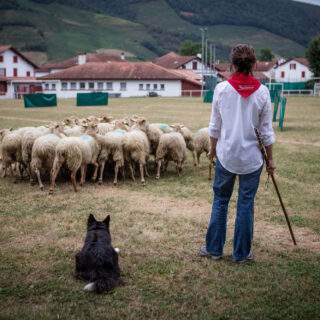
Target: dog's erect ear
[
  {"x": 106, "y": 221},
  {"x": 91, "y": 219}
]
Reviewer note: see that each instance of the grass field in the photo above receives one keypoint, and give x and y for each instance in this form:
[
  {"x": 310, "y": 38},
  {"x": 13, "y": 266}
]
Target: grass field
[{"x": 159, "y": 229}]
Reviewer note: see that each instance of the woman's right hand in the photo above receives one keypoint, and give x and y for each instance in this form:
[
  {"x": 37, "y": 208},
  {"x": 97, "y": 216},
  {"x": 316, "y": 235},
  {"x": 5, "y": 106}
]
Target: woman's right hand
[{"x": 212, "y": 154}]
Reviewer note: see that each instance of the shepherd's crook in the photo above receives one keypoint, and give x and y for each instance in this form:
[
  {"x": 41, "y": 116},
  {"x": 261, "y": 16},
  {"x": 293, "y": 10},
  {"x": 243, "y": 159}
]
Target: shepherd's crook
[{"x": 265, "y": 156}]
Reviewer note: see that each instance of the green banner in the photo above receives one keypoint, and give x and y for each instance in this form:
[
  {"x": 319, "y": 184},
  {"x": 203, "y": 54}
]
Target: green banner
[
  {"x": 92, "y": 99},
  {"x": 39, "y": 100},
  {"x": 294, "y": 85},
  {"x": 283, "y": 103},
  {"x": 208, "y": 97}
]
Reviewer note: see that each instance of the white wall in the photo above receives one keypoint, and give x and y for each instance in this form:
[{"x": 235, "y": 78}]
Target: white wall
[
  {"x": 292, "y": 75},
  {"x": 189, "y": 66},
  {"x": 172, "y": 88},
  {"x": 22, "y": 65}
]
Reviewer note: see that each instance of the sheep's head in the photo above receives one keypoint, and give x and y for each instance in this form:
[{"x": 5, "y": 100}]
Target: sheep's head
[
  {"x": 3, "y": 132},
  {"x": 91, "y": 129},
  {"x": 177, "y": 127},
  {"x": 57, "y": 128},
  {"x": 120, "y": 124},
  {"x": 141, "y": 123},
  {"x": 106, "y": 119}
]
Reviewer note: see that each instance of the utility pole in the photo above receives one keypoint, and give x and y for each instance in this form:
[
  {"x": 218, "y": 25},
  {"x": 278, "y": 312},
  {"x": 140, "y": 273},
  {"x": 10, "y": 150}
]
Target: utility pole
[{"x": 203, "y": 38}]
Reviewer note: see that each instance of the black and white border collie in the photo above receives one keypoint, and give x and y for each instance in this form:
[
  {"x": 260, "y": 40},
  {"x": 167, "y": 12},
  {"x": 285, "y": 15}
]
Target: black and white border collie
[{"x": 97, "y": 262}]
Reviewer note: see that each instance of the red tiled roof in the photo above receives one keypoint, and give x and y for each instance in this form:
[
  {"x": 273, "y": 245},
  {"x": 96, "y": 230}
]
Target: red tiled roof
[
  {"x": 301, "y": 60},
  {"x": 259, "y": 66},
  {"x": 71, "y": 62},
  {"x": 9, "y": 47},
  {"x": 188, "y": 75},
  {"x": 172, "y": 60},
  {"x": 114, "y": 71}
]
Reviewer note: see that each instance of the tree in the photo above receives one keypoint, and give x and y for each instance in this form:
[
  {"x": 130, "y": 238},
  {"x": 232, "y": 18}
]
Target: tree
[
  {"x": 266, "y": 55},
  {"x": 190, "y": 48},
  {"x": 313, "y": 55}
]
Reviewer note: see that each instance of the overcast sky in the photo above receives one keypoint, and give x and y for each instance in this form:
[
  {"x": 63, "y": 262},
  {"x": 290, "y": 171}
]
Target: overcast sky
[{"x": 317, "y": 2}]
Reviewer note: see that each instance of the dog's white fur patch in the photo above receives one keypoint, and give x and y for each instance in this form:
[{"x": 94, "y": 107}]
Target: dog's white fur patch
[
  {"x": 117, "y": 250},
  {"x": 89, "y": 287}
]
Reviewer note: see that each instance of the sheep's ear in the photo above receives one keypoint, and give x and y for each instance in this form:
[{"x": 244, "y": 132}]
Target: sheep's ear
[
  {"x": 10, "y": 129},
  {"x": 106, "y": 221},
  {"x": 91, "y": 219}
]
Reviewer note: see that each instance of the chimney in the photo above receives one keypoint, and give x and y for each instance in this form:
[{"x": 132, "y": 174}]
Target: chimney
[
  {"x": 122, "y": 56},
  {"x": 82, "y": 59},
  {"x": 199, "y": 55}
]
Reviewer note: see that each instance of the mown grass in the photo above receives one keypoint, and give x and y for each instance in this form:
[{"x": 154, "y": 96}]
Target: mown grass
[{"x": 159, "y": 229}]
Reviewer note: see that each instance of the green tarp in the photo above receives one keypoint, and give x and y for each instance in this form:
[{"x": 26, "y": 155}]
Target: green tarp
[
  {"x": 39, "y": 100},
  {"x": 92, "y": 99},
  {"x": 276, "y": 107},
  {"x": 208, "y": 96},
  {"x": 294, "y": 85},
  {"x": 283, "y": 102}
]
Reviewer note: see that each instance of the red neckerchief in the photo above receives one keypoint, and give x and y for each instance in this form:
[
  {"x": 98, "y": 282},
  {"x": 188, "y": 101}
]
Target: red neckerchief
[{"x": 244, "y": 84}]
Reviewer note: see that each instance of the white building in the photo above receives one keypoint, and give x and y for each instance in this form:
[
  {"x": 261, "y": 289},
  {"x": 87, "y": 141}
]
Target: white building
[
  {"x": 172, "y": 60},
  {"x": 123, "y": 79},
  {"x": 293, "y": 70},
  {"x": 17, "y": 73}
]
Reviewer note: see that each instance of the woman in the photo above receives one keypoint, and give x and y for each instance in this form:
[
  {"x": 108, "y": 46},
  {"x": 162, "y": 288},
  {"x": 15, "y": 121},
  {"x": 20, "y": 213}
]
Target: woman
[{"x": 240, "y": 104}]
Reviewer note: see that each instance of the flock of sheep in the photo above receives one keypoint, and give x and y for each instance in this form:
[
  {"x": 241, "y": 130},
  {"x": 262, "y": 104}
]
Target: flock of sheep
[{"x": 75, "y": 143}]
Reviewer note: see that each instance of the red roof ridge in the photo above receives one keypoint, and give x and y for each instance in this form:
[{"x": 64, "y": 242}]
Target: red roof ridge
[{"x": 10, "y": 47}]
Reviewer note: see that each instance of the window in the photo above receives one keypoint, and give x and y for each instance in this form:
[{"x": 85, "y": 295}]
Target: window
[
  {"x": 53, "y": 86},
  {"x": 1, "y": 58},
  {"x": 2, "y": 72},
  {"x": 141, "y": 86},
  {"x": 303, "y": 74},
  {"x": 109, "y": 86},
  {"x": 123, "y": 86},
  {"x": 28, "y": 73},
  {"x": 183, "y": 66},
  {"x": 194, "y": 65},
  {"x": 100, "y": 85},
  {"x": 46, "y": 86},
  {"x": 148, "y": 86},
  {"x": 155, "y": 86},
  {"x": 282, "y": 74},
  {"x": 15, "y": 59},
  {"x": 64, "y": 85},
  {"x": 15, "y": 72},
  {"x": 293, "y": 66},
  {"x": 82, "y": 85},
  {"x": 91, "y": 85},
  {"x": 73, "y": 86},
  {"x": 162, "y": 86}
]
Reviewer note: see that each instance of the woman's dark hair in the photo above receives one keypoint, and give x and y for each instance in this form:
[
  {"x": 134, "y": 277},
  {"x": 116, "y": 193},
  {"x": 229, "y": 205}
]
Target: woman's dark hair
[{"x": 243, "y": 58}]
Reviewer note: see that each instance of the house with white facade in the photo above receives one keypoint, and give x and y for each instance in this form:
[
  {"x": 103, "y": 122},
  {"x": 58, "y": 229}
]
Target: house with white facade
[
  {"x": 172, "y": 60},
  {"x": 293, "y": 70},
  {"x": 17, "y": 74},
  {"x": 122, "y": 79}
]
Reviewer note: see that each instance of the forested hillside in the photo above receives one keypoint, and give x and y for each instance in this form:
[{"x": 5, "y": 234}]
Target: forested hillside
[{"x": 149, "y": 28}]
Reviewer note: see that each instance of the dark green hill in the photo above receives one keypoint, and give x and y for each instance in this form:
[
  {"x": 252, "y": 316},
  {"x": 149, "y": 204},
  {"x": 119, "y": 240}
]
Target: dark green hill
[{"x": 151, "y": 27}]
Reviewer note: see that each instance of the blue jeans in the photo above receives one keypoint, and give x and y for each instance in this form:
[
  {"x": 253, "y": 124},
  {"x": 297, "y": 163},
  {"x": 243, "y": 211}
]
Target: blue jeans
[{"x": 243, "y": 232}]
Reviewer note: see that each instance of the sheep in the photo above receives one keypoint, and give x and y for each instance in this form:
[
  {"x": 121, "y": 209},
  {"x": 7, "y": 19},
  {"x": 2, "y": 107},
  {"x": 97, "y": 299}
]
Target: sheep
[
  {"x": 165, "y": 128},
  {"x": 27, "y": 142},
  {"x": 172, "y": 147},
  {"x": 188, "y": 137},
  {"x": 152, "y": 131},
  {"x": 111, "y": 145},
  {"x": 74, "y": 131},
  {"x": 104, "y": 127},
  {"x": 43, "y": 152},
  {"x": 136, "y": 149},
  {"x": 11, "y": 149},
  {"x": 75, "y": 152},
  {"x": 202, "y": 144}
]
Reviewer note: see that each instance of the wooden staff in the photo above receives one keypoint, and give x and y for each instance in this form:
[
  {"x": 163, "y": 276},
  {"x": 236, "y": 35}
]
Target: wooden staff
[{"x": 265, "y": 156}]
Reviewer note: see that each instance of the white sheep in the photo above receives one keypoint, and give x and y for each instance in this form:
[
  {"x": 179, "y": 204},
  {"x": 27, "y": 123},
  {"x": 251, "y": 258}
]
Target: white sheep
[
  {"x": 43, "y": 152},
  {"x": 188, "y": 138},
  {"x": 27, "y": 142},
  {"x": 136, "y": 149},
  {"x": 75, "y": 153},
  {"x": 111, "y": 147},
  {"x": 165, "y": 128},
  {"x": 74, "y": 131},
  {"x": 11, "y": 149},
  {"x": 202, "y": 144},
  {"x": 172, "y": 147}
]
